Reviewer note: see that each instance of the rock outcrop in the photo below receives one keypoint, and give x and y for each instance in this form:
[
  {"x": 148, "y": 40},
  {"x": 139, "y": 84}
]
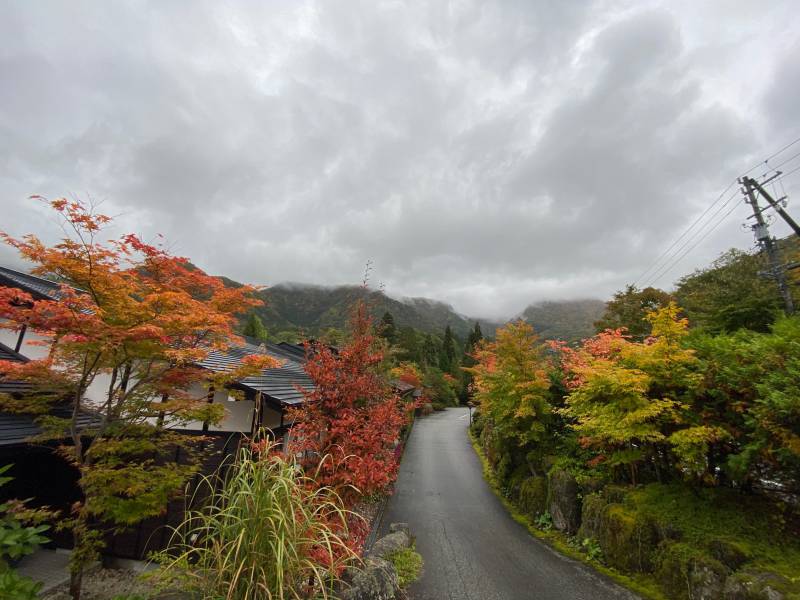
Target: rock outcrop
[{"x": 377, "y": 578}]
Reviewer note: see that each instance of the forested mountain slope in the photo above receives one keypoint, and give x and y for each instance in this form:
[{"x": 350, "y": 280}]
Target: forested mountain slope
[
  {"x": 315, "y": 309},
  {"x": 568, "y": 320}
]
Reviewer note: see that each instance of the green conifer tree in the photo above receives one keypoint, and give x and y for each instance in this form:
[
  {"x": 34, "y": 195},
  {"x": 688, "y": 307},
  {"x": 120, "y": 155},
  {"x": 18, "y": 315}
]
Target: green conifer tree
[
  {"x": 254, "y": 327},
  {"x": 447, "y": 356},
  {"x": 387, "y": 329}
]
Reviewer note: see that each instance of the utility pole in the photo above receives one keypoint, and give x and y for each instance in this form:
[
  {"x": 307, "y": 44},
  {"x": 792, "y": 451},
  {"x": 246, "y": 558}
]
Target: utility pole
[
  {"x": 767, "y": 244},
  {"x": 772, "y": 202}
]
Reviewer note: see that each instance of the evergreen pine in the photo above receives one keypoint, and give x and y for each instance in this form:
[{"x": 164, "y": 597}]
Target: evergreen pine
[
  {"x": 448, "y": 353},
  {"x": 430, "y": 351},
  {"x": 387, "y": 328},
  {"x": 254, "y": 327}
]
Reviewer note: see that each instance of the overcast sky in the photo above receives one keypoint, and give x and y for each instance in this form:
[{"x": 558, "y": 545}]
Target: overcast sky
[{"x": 488, "y": 154}]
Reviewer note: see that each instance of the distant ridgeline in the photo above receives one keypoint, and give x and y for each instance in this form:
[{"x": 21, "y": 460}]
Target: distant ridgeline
[
  {"x": 314, "y": 310},
  {"x": 317, "y": 309},
  {"x": 567, "y": 320}
]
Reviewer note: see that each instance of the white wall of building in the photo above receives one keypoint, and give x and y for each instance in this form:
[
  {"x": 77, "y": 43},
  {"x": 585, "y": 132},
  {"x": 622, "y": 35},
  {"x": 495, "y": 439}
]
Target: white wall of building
[
  {"x": 28, "y": 349},
  {"x": 238, "y": 413}
]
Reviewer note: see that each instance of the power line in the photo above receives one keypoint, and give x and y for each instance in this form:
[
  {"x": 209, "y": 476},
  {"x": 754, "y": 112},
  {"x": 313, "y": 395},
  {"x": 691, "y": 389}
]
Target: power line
[
  {"x": 786, "y": 147},
  {"x": 787, "y": 173},
  {"x": 658, "y": 261},
  {"x": 681, "y": 236},
  {"x": 779, "y": 165},
  {"x": 703, "y": 237},
  {"x": 677, "y": 256}
]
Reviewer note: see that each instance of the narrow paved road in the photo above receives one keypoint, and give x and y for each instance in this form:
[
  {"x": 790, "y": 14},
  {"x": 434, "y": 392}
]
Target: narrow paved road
[{"x": 473, "y": 549}]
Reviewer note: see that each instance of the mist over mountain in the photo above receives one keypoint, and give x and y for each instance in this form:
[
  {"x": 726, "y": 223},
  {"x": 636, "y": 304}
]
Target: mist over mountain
[
  {"x": 313, "y": 309},
  {"x": 567, "y": 320}
]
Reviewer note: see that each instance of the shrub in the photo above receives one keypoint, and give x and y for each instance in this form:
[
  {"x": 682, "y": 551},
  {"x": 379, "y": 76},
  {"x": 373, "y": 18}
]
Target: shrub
[
  {"x": 16, "y": 541},
  {"x": 408, "y": 563},
  {"x": 592, "y": 548},
  {"x": 264, "y": 530},
  {"x": 544, "y": 521}
]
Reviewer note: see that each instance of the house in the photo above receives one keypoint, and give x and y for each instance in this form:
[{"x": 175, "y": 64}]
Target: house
[
  {"x": 35, "y": 462},
  {"x": 260, "y": 402},
  {"x": 20, "y": 339},
  {"x": 266, "y": 396}
]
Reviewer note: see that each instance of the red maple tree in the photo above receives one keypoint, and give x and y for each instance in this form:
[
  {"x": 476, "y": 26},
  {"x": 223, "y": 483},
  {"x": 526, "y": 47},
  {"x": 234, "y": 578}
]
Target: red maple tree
[{"x": 348, "y": 427}]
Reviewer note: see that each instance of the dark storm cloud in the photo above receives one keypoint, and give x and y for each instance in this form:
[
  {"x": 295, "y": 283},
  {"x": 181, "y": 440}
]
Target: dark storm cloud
[{"x": 487, "y": 154}]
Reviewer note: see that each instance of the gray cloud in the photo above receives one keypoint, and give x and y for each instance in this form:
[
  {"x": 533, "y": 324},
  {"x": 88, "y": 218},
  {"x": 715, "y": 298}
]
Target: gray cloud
[{"x": 486, "y": 154}]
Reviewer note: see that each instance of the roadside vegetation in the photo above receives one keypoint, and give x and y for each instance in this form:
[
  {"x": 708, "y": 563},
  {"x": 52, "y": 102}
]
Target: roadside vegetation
[
  {"x": 670, "y": 454},
  {"x": 260, "y": 529},
  {"x": 408, "y": 563},
  {"x": 132, "y": 315}
]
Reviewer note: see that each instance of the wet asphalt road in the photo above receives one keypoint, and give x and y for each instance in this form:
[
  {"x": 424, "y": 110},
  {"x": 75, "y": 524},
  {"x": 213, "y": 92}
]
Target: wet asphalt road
[{"x": 473, "y": 549}]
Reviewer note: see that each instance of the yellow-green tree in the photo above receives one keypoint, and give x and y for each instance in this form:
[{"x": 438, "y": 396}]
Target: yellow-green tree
[
  {"x": 627, "y": 398},
  {"x": 511, "y": 386}
]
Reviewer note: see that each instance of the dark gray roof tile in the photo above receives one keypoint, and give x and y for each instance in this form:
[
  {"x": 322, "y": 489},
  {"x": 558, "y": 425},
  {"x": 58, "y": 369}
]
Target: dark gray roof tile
[
  {"x": 36, "y": 286},
  {"x": 16, "y": 429}
]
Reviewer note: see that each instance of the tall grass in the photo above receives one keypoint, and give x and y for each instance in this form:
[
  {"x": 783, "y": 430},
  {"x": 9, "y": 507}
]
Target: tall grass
[{"x": 262, "y": 531}]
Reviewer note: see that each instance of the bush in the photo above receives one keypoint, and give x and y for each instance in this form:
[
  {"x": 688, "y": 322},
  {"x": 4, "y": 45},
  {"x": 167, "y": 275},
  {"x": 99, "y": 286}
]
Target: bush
[
  {"x": 263, "y": 531},
  {"x": 16, "y": 541},
  {"x": 593, "y": 550},
  {"x": 408, "y": 563}
]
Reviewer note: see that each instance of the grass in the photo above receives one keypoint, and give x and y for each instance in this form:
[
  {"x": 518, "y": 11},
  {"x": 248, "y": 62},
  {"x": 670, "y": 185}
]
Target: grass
[
  {"x": 645, "y": 586},
  {"x": 408, "y": 563},
  {"x": 263, "y": 531}
]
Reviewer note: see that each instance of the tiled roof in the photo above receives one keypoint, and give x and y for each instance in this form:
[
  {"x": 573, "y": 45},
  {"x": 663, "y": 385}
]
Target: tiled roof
[
  {"x": 279, "y": 383},
  {"x": 17, "y": 429},
  {"x": 296, "y": 350},
  {"x": 219, "y": 361},
  {"x": 282, "y": 384},
  {"x": 36, "y": 286},
  {"x": 7, "y": 353},
  {"x": 12, "y": 387},
  {"x": 402, "y": 386}
]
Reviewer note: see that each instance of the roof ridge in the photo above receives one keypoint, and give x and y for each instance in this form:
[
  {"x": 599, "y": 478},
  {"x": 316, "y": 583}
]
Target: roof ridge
[{"x": 13, "y": 353}]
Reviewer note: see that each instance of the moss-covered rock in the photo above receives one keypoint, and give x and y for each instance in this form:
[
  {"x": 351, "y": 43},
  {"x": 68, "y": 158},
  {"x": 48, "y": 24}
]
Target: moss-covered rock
[
  {"x": 754, "y": 585},
  {"x": 629, "y": 540},
  {"x": 515, "y": 481},
  {"x": 592, "y": 516},
  {"x": 591, "y": 485},
  {"x": 688, "y": 573},
  {"x": 487, "y": 443},
  {"x": 564, "y": 501},
  {"x": 729, "y": 553},
  {"x": 533, "y": 496}
]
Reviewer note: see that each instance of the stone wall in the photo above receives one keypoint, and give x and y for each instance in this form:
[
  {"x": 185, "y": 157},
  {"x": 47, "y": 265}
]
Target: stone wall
[{"x": 377, "y": 578}]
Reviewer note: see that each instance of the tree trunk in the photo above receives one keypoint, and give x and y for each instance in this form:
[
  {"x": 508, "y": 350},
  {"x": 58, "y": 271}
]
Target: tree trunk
[{"x": 75, "y": 582}]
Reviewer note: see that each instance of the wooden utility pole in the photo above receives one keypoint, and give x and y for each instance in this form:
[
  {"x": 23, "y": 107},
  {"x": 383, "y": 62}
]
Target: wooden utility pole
[{"x": 767, "y": 244}]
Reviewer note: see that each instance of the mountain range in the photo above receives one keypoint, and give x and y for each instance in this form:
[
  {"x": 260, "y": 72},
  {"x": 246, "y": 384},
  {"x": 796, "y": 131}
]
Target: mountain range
[{"x": 314, "y": 309}]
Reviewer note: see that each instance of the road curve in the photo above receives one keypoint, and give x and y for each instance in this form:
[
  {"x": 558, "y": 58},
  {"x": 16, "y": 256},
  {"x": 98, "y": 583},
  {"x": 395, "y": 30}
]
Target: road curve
[{"x": 473, "y": 549}]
